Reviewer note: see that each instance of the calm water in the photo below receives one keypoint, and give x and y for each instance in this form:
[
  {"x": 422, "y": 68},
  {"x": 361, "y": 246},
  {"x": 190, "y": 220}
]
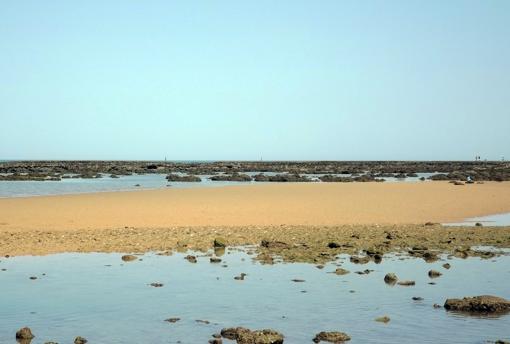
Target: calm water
[
  {"x": 99, "y": 297},
  {"x": 490, "y": 220},
  {"x": 124, "y": 183}
]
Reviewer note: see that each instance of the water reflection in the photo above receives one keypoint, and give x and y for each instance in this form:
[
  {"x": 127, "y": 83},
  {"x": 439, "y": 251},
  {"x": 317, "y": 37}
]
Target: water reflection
[{"x": 106, "y": 300}]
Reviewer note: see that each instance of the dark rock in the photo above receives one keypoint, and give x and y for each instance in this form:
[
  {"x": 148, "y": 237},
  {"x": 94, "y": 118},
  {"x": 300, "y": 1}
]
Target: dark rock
[
  {"x": 446, "y": 265},
  {"x": 172, "y": 320},
  {"x": 478, "y": 304},
  {"x": 234, "y": 177},
  {"x": 478, "y": 224},
  {"x": 417, "y": 298},
  {"x": 333, "y": 245},
  {"x": 156, "y": 285},
  {"x": 240, "y": 277},
  {"x": 406, "y": 283},
  {"x": 434, "y": 274},
  {"x": 215, "y": 260},
  {"x": 297, "y": 280},
  {"x": 390, "y": 278},
  {"x": 331, "y": 337},
  {"x": 33, "y": 277}
]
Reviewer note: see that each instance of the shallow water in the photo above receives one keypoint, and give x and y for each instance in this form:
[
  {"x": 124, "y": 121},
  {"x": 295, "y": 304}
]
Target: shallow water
[
  {"x": 123, "y": 183},
  {"x": 490, "y": 220},
  {"x": 99, "y": 297}
]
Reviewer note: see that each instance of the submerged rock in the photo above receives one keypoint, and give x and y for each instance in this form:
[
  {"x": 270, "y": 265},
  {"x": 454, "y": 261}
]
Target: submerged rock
[
  {"x": 341, "y": 271},
  {"x": 478, "y": 304},
  {"x": 384, "y": 319},
  {"x": 331, "y": 337},
  {"x": 446, "y": 266},
  {"x": 406, "y": 283},
  {"x": 172, "y": 320},
  {"x": 215, "y": 260}
]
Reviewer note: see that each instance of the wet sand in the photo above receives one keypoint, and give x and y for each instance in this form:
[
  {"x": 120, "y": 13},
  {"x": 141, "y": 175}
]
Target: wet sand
[{"x": 295, "y": 213}]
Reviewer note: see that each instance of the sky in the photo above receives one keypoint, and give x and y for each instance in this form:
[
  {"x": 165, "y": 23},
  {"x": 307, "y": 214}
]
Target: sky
[{"x": 251, "y": 80}]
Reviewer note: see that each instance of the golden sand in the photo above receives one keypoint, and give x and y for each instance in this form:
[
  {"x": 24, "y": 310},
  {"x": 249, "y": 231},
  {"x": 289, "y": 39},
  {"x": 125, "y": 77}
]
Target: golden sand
[{"x": 318, "y": 204}]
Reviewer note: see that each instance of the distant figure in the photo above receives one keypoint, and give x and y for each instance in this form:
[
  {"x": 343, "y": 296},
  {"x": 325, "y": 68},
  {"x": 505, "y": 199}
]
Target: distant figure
[{"x": 469, "y": 179}]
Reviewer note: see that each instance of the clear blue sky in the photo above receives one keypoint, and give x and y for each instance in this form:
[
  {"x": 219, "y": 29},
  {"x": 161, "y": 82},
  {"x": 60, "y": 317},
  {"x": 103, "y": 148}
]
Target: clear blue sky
[{"x": 250, "y": 79}]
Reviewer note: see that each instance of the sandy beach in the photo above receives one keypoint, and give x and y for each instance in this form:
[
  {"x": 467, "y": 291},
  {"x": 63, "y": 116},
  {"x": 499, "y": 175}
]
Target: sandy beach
[
  {"x": 318, "y": 204},
  {"x": 167, "y": 219}
]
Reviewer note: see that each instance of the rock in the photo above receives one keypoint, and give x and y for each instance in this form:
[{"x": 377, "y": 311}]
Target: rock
[
  {"x": 24, "y": 333},
  {"x": 219, "y": 243},
  {"x": 333, "y": 245},
  {"x": 234, "y": 177},
  {"x": 359, "y": 260},
  {"x": 186, "y": 178},
  {"x": 390, "y": 278},
  {"x": 215, "y": 341},
  {"x": 458, "y": 183},
  {"x": 478, "y": 304},
  {"x": 215, "y": 260},
  {"x": 33, "y": 277},
  {"x": 434, "y": 274},
  {"x": 156, "y": 285},
  {"x": 297, "y": 280},
  {"x": 273, "y": 244},
  {"x": 446, "y": 266},
  {"x": 331, "y": 337},
  {"x": 430, "y": 224},
  {"x": 80, "y": 340},
  {"x": 172, "y": 320},
  {"x": 245, "y": 336},
  {"x": 240, "y": 277},
  {"x": 384, "y": 319},
  {"x": 191, "y": 259},
  {"x": 128, "y": 258},
  {"x": 437, "y": 306},
  {"x": 417, "y": 298},
  {"x": 206, "y": 322},
  {"x": 478, "y": 224},
  {"x": 340, "y": 271},
  {"x": 406, "y": 283}
]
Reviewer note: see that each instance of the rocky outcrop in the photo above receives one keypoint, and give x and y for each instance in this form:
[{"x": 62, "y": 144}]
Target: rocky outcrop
[
  {"x": 234, "y": 177},
  {"x": 183, "y": 178},
  {"x": 246, "y": 336},
  {"x": 478, "y": 304}
]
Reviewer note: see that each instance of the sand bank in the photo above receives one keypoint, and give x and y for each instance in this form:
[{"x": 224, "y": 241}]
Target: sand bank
[{"x": 318, "y": 204}]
